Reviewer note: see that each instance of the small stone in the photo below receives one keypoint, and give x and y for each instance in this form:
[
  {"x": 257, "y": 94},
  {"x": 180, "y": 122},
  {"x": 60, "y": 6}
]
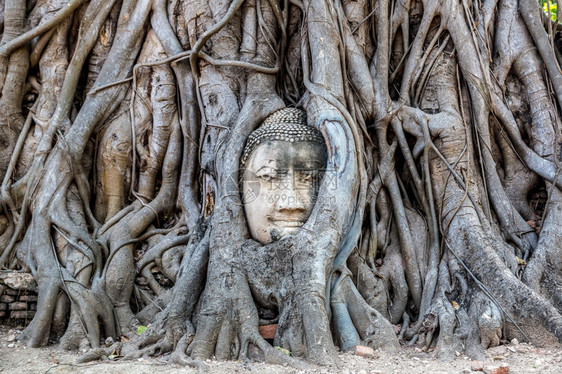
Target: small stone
[
  {"x": 109, "y": 341},
  {"x": 18, "y": 281},
  {"x": 477, "y": 365},
  {"x": 514, "y": 341},
  {"x": 11, "y": 345},
  {"x": 11, "y": 338},
  {"x": 498, "y": 351},
  {"x": 363, "y": 351},
  {"x": 496, "y": 370}
]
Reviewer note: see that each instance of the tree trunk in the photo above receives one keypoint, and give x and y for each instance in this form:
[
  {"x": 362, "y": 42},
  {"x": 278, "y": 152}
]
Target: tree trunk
[{"x": 120, "y": 144}]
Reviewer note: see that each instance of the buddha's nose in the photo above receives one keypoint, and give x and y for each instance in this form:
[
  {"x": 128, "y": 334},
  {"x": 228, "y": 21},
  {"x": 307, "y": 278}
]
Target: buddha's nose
[{"x": 291, "y": 198}]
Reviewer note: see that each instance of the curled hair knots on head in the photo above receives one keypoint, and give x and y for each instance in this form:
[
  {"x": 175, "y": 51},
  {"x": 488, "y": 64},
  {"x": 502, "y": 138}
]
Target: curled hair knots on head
[{"x": 288, "y": 125}]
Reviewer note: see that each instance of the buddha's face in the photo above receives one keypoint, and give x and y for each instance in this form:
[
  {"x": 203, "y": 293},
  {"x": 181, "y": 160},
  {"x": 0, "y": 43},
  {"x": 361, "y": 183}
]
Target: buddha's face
[{"x": 280, "y": 185}]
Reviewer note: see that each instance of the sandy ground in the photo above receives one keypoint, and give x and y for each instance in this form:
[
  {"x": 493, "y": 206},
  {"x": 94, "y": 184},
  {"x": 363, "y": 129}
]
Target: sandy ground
[{"x": 519, "y": 358}]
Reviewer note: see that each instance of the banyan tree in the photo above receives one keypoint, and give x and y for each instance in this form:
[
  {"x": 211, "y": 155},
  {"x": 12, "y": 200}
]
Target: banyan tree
[{"x": 357, "y": 172}]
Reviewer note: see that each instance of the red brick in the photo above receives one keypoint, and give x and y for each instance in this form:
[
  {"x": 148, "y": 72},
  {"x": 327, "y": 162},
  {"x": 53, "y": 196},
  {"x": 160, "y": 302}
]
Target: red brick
[
  {"x": 11, "y": 291},
  {"x": 268, "y": 331},
  {"x": 7, "y": 299},
  {"x": 28, "y": 298},
  {"x": 22, "y": 314},
  {"x": 18, "y": 306}
]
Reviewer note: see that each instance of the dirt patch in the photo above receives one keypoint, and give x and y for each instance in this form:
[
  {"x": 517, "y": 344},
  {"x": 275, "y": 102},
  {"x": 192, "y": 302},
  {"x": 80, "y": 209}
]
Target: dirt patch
[{"x": 520, "y": 358}]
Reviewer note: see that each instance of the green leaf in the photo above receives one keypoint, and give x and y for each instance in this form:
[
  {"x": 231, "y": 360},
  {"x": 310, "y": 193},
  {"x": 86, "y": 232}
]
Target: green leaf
[
  {"x": 287, "y": 352},
  {"x": 553, "y": 7},
  {"x": 141, "y": 329}
]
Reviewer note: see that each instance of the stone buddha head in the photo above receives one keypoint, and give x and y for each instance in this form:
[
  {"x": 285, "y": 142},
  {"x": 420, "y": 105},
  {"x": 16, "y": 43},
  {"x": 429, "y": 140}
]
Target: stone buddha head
[{"x": 282, "y": 169}]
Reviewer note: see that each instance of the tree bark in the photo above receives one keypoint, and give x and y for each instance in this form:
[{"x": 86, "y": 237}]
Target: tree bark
[{"x": 122, "y": 129}]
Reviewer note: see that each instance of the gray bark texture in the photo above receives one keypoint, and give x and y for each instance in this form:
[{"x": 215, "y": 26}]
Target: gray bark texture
[{"x": 437, "y": 222}]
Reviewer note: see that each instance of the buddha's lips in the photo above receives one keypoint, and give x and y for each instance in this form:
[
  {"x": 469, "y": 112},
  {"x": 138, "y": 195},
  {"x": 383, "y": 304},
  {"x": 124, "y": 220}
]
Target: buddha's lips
[{"x": 288, "y": 224}]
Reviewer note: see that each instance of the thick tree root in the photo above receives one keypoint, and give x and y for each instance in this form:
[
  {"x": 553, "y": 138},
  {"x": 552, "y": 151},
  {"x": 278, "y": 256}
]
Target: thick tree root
[{"x": 122, "y": 129}]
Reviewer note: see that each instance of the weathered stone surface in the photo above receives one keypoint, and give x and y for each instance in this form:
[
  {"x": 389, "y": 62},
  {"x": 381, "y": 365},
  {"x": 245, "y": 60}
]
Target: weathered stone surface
[
  {"x": 22, "y": 314},
  {"x": 273, "y": 212},
  {"x": 28, "y": 298},
  {"x": 18, "y": 281},
  {"x": 18, "y": 306},
  {"x": 7, "y": 299}
]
